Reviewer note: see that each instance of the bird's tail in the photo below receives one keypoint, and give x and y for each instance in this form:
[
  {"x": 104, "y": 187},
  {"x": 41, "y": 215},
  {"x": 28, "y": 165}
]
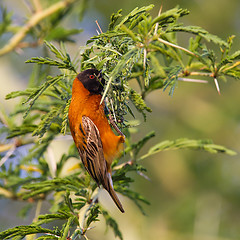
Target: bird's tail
[{"x": 115, "y": 199}]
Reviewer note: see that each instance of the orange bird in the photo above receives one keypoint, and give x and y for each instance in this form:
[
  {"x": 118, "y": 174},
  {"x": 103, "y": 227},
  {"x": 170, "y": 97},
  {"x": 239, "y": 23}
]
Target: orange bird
[{"x": 96, "y": 142}]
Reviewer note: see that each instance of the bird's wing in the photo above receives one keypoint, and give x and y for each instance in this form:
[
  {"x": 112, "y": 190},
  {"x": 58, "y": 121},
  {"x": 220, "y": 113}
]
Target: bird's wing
[
  {"x": 93, "y": 159},
  {"x": 92, "y": 153}
]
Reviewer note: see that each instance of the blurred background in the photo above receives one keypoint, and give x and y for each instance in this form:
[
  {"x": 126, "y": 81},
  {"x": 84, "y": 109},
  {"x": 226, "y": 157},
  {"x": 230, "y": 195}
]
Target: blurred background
[{"x": 193, "y": 195}]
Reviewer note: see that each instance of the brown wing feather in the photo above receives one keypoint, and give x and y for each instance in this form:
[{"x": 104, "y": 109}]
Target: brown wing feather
[
  {"x": 93, "y": 158},
  {"x": 92, "y": 152}
]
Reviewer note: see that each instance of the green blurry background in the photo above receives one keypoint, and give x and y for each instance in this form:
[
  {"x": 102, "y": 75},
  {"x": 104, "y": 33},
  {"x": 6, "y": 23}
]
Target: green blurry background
[{"x": 194, "y": 195}]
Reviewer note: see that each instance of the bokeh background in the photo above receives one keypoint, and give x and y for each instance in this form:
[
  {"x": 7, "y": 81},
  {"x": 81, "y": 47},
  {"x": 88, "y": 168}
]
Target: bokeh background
[{"x": 193, "y": 195}]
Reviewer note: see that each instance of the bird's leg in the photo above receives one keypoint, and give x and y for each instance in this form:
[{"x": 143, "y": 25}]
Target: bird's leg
[
  {"x": 115, "y": 125},
  {"x": 112, "y": 121}
]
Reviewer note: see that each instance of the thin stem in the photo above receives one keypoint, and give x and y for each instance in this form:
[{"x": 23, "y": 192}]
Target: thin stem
[
  {"x": 156, "y": 27},
  {"x": 192, "y": 80},
  {"x": 30, "y": 44},
  {"x": 8, "y": 154},
  {"x": 130, "y": 162},
  {"x": 204, "y": 74},
  {"x": 144, "y": 58},
  {"x": 217, "y": 85},
  {"x": 99, "y": 27},
  {"x": 6, "y": 193},
  {"x": 230, "y": 67},
  {"x": 38, "y": 209},
  {"x": 37, "y": 213},
  {"x": 176, "y": 46}
]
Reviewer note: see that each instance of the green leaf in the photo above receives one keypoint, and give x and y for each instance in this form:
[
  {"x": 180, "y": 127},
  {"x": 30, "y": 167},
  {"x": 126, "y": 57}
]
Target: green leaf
[
  {"x": 134, "y": 196},
  {"x": 52, "y": 217},
  {"x": 235, "y": 56},
  {"x": 57, "y": 184},
  {"x": 47, "y": 120},
  {"x": 65, "y": 117},
  {"x": 51, "y": 62},
  {"x": 67, "y": 228},
  {"x": 39, "y": 91},
  {"x": 184, "y": 143},
  {"x": 139, "y": 145},
  {"x": 139, "y": 103},
  {"x": 199, "y": 31},
  {"x": 114, "y": 18},
  {"x": 66, "y": 62},
  {"x": 172, "y": 79},
  {"x": 62, "y": 34},
  {"x": 125, "y": 64},
  {"x": 21, "y": 130},
  {"x": 15, "y": 94},
  {"x": 135, "y": 12},
  {"x": 112, "y": 223},
  {"x": 23, "y": 231},
  {"x": 170, "y": 16},
  {"x": 5, "y": 21},
  {"x": 93, "y": 215}
]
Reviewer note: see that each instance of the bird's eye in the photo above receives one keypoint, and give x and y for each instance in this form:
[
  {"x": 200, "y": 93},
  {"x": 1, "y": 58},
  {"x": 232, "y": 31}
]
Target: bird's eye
[{"x": 91, "y": 76}]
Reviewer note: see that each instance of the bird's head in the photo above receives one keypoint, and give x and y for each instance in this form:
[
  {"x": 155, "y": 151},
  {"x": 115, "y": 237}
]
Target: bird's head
[{"x": 92, "y": 80}]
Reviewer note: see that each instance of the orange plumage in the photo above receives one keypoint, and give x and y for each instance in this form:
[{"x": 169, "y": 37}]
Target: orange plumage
[{"x": 96, "y": 142}]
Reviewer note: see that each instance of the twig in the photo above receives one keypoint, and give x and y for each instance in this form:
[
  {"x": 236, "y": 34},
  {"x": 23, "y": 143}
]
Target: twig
[
  {"x": 217, "y": 85},
  {"x": 204, "y": 74},
  {"x": 144, "y": 58},
  {"x": 37, "y": 213},
  {"x": 8, "y": 155},
  {"x": 192, "y": 80},
  {"x": 230, "y": 67},
  {"x": 130, "y": 162},
  {"x": 33, "y": 21},
  {"x": 114, "y": 115},
  {"x": 143, "y": 175},
  {"x": 5, "y": 147},
  {"x": 6, "y": 193},
  {"x": 176, "y": 46},
  {"x": 156, "y": 27},
  {"x": 98, "y": 27},
  {"x": 38, "y": 209},
  {"x": 29, "y": 44}
]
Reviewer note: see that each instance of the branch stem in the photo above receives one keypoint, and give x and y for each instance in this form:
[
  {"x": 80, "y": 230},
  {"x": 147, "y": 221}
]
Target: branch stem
[
  {"x": 33, "y": 21},
  {"x": 176, "y": 46}
]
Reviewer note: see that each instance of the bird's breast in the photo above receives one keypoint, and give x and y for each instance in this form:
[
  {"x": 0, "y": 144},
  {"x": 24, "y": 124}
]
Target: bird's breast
[{"x": 85, "y": 104}]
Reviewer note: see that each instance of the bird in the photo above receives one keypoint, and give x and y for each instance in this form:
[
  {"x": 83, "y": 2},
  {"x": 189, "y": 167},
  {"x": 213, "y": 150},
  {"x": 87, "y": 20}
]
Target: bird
[{"x": 94, "y": 138}]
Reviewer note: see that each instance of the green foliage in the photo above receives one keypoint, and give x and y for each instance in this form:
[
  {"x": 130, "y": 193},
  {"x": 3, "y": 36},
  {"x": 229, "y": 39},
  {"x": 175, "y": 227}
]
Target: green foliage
[
  {"x": 5, "y": 21},
  {"x": 112, "y": 223},
  {"x": 24, "y": 231},
  {"x": 136, "y": 48},
  {"x": 183, "y": 143},
  {"x": 64, "y": 57}
]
